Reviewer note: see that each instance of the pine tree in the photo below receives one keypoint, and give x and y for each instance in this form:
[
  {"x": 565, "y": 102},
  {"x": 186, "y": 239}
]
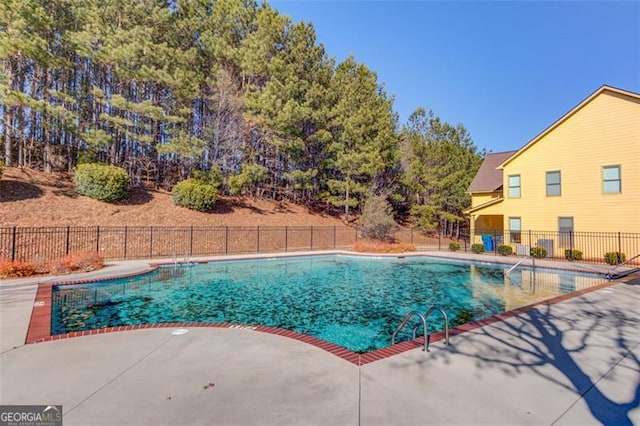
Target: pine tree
[{"x": 364, "y": 144}]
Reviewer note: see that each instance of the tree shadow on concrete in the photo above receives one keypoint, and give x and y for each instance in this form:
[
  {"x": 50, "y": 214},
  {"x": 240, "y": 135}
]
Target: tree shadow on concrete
[{"x": 546, "y": 337}]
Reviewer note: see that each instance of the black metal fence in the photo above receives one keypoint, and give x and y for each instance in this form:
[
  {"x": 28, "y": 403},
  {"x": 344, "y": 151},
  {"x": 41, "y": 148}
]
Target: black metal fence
[
  {"x": 139, "y": 242},
  {"x": 587, "y": 246}
]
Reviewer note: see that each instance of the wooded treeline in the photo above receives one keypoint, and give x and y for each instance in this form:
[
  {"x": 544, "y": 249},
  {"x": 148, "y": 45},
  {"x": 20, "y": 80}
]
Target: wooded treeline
[{"x": 231, "y": 88}]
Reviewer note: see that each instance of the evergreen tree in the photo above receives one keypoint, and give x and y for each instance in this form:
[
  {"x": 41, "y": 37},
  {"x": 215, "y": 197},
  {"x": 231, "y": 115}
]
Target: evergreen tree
[
  {"x": 439, "y": 161},
  {"x": 364, "y": 144}
]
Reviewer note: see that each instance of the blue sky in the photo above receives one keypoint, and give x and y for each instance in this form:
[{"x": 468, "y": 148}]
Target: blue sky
[{"x": 506, "y": 70}]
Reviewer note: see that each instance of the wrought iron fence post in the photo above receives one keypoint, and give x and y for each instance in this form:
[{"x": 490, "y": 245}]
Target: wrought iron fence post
[
  {"x": 571, "y": 244},
  {"x": 67, "y": 243},
  {"x": 191, "y": 241},
  {"x": 98, "y": 239},
  {"x": 312, "y": 238},
  {"x": 226, "y": 240},
  {"x": 530, "y": 241},
  {"x": 258, "y": 240},
  {"x": 151, "y": 241},
  {"x": 619, "y": 247},
  {"x": 286, "y": 238},
  {"x": 439, "y": 239},
  {"x": 13, "y": 243},
  {"x": 412, "y": 235},
  {"x": 334, "y": 237},
  {"x": 495, "y": 242},
  {"x": 126, "y": 237}
]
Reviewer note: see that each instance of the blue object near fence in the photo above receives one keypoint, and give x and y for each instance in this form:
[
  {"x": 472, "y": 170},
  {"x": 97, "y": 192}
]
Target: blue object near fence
[{"x": 487, "y": 241}]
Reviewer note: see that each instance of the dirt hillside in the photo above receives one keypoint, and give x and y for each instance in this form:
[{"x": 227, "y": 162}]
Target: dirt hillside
[{"x": 32, "y": 198}]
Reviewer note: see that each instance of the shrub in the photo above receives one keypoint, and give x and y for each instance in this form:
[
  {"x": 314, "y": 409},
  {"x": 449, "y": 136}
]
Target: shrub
[
  {"x": 477, "y": 248},
  {"x": 573, "y": 254},
  {"x": 212, "y": 177},
  {"x": 194, "y": 194},
  {"x": 538, "y": 252},
  {"x": 75, "y": 262},
  {"x": 614, "y": 257},
  {"x": 102, "y": 182},
  {"x": 454, "y": 246},
  {"x": 377, "y": 217},
  {"x": 15, "y": 269},
  {"x": 377, "y": 247},
  {"x": 505, "y": 249},
  {"x": 1, "y": 168}
]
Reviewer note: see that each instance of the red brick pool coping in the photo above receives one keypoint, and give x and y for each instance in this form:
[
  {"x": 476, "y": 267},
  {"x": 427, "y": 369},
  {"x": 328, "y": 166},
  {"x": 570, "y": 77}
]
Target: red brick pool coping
[{"x": 39, "y": 330}]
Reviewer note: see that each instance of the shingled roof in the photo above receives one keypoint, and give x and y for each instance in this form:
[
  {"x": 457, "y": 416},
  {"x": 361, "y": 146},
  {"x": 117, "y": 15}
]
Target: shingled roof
[{"x": 488, "y": 177}]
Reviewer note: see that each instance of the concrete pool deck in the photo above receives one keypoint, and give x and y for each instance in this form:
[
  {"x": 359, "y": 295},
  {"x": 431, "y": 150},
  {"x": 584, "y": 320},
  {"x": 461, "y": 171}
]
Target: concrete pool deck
[{"x": 574, "y": 362}]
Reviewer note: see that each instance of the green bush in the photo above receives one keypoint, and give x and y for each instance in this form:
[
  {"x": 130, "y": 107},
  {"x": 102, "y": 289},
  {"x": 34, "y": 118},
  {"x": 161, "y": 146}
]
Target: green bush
[
  {"x": 538, "y": 252},
  {"x": 454, "y": 246},
  {"x": 614, "y": 257},
  {"x": 505, "y": 249},
  {"x": 212, "y": 177},
  {"x": 102, "y": 182},
  {"x": 195, "y": 195},
  {"x": 573, "y": 254},
  {"x": 477, "y": 248}
]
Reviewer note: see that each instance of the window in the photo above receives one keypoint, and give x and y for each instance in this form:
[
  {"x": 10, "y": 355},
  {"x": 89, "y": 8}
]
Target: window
[
  {"x": 553, "y": 184},
  {"x": 514, "y": 186},
  {"x": 611, "y": 181},
  {"x": 565, "y": 232},
  {"x": 515, "y": 226}
]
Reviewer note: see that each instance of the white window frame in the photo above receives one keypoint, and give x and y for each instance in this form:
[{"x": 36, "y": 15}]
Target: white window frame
[
  {"x": 605, "y": 180},
  {"x": 554, "y": 184},
  {"x": 564, "y": 232},
  {"x": 515, "y": 233},
  {"x": 512, "y": 188}
]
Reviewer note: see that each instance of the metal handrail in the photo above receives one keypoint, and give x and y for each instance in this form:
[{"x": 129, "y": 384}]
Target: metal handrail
[
  {"x": 533, "y": 260},
  {"x": 610, "y": 275},
  {"x": 404, "y": 322},
  {"x": 432, "y": 309}
]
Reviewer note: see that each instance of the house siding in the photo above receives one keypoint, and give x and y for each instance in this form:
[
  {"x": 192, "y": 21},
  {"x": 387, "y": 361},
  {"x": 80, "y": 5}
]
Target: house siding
[
  {"x": 603, "y": 132},
  {"x": 478, "y": 199}
]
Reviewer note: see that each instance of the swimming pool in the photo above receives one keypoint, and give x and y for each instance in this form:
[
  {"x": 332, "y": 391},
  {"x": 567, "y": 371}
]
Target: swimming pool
[{"x": 355, "y": 302}]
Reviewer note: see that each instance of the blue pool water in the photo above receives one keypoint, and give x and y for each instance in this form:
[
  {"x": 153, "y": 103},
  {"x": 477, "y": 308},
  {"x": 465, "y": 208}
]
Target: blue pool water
[{"x": 354, "y": 302}]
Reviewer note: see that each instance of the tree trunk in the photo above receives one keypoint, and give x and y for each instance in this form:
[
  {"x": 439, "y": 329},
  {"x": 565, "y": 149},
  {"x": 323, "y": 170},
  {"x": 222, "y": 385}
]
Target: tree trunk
[
  {"x": 46, "y": 125},
  {"x": 7, "y": 113},
  {"x": 7, "y": 136},
  {"x": 346, "y": 204}
]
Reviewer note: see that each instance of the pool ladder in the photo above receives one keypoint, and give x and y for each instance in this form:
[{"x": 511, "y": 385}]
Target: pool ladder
[
  {"x": 611, "y": 275},
  {"x": 423, "y": 322},
  {"x": 533, "y": 263}
]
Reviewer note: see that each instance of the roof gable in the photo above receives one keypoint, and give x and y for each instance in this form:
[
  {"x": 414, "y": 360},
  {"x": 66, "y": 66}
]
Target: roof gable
[
  {"x": 489, "y": 178},
  {"x": 564, "y": 118}
]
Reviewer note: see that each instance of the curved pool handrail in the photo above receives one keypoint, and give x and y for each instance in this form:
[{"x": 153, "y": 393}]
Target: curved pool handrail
[
  {"x": 405, "y": 321},
  {"x": 610, "y": 275},
  {"x": 426, "y": 315}
]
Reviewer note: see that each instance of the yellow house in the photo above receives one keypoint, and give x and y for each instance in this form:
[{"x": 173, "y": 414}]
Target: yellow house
[{"x": 580, "y": 175}]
